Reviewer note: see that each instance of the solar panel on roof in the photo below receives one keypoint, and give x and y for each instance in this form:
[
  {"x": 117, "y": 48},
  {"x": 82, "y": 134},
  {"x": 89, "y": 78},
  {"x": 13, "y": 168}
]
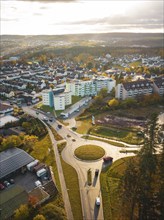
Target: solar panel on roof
[{"x": 12, "y": 160}]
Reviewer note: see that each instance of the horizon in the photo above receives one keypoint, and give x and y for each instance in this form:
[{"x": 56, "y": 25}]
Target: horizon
[
  {"x": 66, "y": 17},
  {"x": 81, "y": 34}
]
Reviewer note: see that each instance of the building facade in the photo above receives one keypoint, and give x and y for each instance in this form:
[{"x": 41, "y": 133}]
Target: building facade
[
  {"x": 133, "y": 89},
  {"x": 90, "y": 87},
  {"x": 47, "y": 98},
  {"x": 57, "y": 99},
  {"x": 158, "y": 85}
]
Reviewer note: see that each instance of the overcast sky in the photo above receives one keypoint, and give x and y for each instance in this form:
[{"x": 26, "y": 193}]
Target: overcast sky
[{"x": 80, "y": 16}]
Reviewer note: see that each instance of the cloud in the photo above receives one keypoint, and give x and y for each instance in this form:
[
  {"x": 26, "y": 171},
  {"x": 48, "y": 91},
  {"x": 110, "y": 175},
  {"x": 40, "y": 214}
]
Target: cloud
[
  {"x": 9, "y": 19},
  {"x": 148, "y": 14},
  {"x": 48, "y": 1}
]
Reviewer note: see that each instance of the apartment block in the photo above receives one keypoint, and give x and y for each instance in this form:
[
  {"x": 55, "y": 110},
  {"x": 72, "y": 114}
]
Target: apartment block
[
  {"x": 133, "y": 89},
  {"x": 90, "y": 87}
]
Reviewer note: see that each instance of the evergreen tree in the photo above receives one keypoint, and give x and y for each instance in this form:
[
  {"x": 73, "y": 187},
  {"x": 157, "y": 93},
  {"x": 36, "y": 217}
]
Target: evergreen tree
[{"x": 148, "y": 168}]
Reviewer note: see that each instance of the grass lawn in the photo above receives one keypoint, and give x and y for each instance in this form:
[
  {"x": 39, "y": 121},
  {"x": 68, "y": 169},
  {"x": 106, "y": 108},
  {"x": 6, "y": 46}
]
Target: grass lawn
[
  {"x": 83, "y": 127},
  {"x": 117, "y": 134},
  {"x": 109, "y": 180},
  {"x": 72, "y": 184},
  {"x": 46, "y": 108},
  {"x": 89, "y": 177},
  {"x": 89, "y": 152},
  {"x": 61, "y": 146},
  {"x": 58, "y": 112},
  {"x": 76, "y": 99},
  {"x": 106, "y": 141},
  {"x": 56, "y": 135}
]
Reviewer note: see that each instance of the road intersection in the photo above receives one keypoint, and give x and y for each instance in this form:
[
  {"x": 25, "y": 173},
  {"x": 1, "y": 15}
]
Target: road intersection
[{"x": 88, "y": 193}]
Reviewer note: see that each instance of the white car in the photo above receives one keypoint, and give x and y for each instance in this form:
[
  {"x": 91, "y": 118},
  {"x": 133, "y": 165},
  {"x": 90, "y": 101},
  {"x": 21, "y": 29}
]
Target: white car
[
  {"x": 38, "y": 183},
  {"x": 98, "y": 201}
]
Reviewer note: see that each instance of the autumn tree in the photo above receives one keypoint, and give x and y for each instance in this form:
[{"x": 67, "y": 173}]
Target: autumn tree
[
  {"x": 11, "y": 141},
  {"x": 113, "y": 103},
  {"x": 22, "y": 213},
  {"x": 52, "y": 212},
  {"x": 39, "y": 217},
  {"x": 29, "y": 141},
  {"x": 103, "y": 92},
  {"x": 26, "y": 125}
]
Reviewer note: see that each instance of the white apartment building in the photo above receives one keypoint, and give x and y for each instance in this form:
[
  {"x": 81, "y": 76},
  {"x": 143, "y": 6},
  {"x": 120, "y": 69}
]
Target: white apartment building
[
  {"x": 58, "y": 99},
  {"x": 47, "y": 97},
  {"x": 59, "y": 102},
  {"x": 90, "y": 87},
  {"x": 62, "y": 100},
  {"x": 107, "y": 83},
  {"x": 133, "y": 89}
]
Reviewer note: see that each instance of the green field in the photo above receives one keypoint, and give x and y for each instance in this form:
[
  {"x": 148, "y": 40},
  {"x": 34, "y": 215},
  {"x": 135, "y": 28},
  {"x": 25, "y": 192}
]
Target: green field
[
  {"x": 109, "y": 180},
  {"x": 46, "y": 108},
  {"x": 126, "y": 136},
  {"x": 89, "y": 152},
  {"x": 72, "y": 184}
]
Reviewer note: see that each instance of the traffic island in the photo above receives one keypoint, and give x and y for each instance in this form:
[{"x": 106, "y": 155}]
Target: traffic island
[{"x": 89, "y": 152}]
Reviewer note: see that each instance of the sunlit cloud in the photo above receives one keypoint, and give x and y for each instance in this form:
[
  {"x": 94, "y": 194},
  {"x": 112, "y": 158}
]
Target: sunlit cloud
[{"x": 80, "y": 16}]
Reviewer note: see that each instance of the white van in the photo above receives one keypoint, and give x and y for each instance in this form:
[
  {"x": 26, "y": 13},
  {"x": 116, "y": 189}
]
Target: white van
[
  {"x": 98, "y": 201},
  {"x": 38, "y": 183},
  {"x": 41, "y": 172}
]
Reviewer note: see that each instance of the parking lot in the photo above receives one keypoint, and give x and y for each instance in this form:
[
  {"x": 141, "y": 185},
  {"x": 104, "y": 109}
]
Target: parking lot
[{"x": 26, "y": 180}]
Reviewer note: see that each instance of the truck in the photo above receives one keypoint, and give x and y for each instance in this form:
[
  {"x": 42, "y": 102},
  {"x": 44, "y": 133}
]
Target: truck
[
  {"x": 31, "y": 165},
  {"x": 39, "y": 167},
  {"x": 41, "y": 172}
]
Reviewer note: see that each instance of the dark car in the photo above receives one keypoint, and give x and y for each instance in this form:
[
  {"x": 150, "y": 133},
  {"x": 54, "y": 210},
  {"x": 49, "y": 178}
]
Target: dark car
[
  {"x": 107, "y": 159},
  {"x": 12, "y": 181},
  {"x": 96, "y": 172},
  {"x": 51, "y": 119},
  {"x": 59, "y": 126}
]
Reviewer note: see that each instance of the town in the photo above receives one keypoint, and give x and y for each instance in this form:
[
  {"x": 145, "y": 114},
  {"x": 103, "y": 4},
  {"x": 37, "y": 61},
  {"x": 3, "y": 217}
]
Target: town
[{"x": 75, "y": 104}]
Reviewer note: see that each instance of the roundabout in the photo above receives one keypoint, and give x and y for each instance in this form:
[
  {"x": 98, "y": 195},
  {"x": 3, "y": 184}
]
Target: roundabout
[{"x": 89, "y": 152}]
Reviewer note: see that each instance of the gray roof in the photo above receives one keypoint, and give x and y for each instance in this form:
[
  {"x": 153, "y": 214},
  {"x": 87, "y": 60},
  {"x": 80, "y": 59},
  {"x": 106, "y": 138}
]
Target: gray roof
[{"x": 13, "y": 159}]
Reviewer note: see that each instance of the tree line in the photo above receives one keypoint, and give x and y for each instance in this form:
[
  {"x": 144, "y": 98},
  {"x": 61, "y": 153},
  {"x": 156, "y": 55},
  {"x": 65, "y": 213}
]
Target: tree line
[{"x": 142, "y": 185}]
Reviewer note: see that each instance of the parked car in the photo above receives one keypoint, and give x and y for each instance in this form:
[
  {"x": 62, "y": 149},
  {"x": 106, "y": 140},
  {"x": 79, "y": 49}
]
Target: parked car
[
  {"x": 98, "y": 201},
  {"x": 96, "y": 172},
  {"x": 38, "y": 183},
  {"x": 51, "y": 119},
  {"x": 6, "y": 183},
  {"x": 59, "y": 126},
  {"x": 107, "y": 159},
  {"x": 12, "y": 181},
  {"x": 1, "y": 186}
]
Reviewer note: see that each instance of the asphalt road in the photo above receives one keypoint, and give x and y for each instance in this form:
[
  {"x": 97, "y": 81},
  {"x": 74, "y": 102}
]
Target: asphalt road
[{"x": 88, "y": 193}]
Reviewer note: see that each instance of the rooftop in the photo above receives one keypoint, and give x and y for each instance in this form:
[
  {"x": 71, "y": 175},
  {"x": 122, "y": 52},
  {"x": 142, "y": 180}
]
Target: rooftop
[{"x": 13, "y": 159}]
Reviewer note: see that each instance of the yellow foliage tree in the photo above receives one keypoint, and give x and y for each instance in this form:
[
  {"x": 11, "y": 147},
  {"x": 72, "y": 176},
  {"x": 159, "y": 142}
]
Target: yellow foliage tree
[
  {"x": 113, "y": 103},
  {"x": 21, "y": 213}
]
